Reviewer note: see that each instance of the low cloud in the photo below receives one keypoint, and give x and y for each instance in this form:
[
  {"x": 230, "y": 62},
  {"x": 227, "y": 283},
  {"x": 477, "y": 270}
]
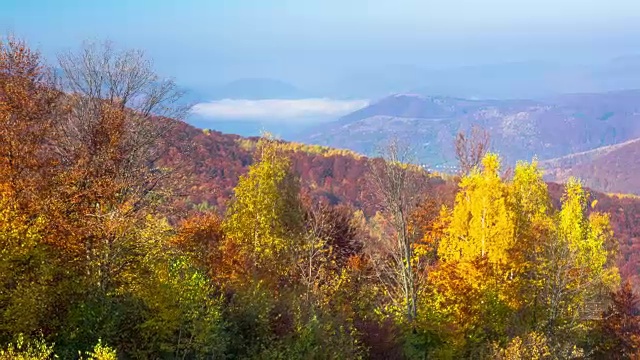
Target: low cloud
[{"x": 277, "y": 109}]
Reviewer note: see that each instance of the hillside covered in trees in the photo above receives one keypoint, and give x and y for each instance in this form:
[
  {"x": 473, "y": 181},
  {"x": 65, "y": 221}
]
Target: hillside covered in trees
[{"x": 125, "y": 233}]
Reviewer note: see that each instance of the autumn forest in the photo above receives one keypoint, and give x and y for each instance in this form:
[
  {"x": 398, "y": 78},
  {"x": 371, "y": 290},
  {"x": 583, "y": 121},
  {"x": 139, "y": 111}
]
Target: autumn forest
[{"x": 127, "y": 234}]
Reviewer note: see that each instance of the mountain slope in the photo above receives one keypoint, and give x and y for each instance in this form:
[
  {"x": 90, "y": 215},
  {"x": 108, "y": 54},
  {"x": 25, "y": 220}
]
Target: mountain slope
[
  {"x": 614, "y": 168},
  {"x": 211, "y": 162},
  {"x": 520, "y": 129}
]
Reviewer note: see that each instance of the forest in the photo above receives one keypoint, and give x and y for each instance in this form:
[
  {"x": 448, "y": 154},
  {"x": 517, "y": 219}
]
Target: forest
[{"x": 116, "y": 244}]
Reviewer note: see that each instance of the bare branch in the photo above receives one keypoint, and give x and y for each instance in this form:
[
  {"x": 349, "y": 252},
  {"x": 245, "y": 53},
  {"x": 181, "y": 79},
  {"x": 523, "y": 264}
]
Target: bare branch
[
  {"x": 471, "y": 148},
  {"x": 399, "y": 187}
]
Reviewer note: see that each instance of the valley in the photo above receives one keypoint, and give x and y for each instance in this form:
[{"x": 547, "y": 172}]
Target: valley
[{"x": 320, "y": 180}]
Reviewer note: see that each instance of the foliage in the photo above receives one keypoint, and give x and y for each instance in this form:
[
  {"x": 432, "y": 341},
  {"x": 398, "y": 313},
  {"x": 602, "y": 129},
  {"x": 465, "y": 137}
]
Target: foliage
[
  {"x": 249, "y": 144},
  {"x": 298, "y": 256},
  {"x": 534, "y": 269},
  {"x": 25, "y": 349},
  {"x": 532, "y": 346},
  {"x": 102, "y": 352},
  {"x": 264, "y": 218},
  {"x": 618, "y": 331},
  {"x": 185, "y": 316},
  {"x": 481, "y": 225}
]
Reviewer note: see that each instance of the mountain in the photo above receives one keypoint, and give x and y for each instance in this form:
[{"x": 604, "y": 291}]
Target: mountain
[
  {"x": 248, "y": 127},
  {"x": 613, "y": 168},
  {"x": 520, "y": 79},
  {"x": 530, "y": 79},
  {"x": 211, "y": 162},
  {"x": 619, "y": 73},
  {"x": 519, "y": 129},
  {"x": 525, "y": 79}
]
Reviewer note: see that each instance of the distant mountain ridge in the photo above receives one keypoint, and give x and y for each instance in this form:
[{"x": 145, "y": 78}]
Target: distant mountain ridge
[
  {"x": 520, "y": 129},
  {"x": 518, "y": 79}
]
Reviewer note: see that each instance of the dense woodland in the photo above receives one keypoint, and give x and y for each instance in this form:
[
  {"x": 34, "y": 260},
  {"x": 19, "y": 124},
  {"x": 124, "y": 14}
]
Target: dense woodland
[{"x": 125, "y": 233}]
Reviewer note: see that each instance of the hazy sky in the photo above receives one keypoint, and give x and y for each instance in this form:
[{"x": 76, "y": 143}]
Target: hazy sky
[{"x": 213, "y": 41}]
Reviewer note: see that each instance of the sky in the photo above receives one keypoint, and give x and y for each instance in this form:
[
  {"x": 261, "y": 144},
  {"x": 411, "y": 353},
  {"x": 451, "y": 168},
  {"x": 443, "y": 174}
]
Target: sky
[{"x": 316, "y": 44}]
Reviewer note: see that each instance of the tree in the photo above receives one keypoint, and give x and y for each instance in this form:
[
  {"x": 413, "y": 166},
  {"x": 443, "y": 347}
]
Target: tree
[
  {"x": 108, "y": 145},
  {"x": 330, "y": 241},
  {"x": 476, "y": 270},
  {"x": 99, "y": 73},
  {"x": 27, "y": 270},
  {"x": 618, "y": 332},
  {"x": 471, "y": 148},
  {"x": 29, "y": 107},
  {"x": 576, "y": 268},
  {"x": 200, "y": 236},
  {"x": 264, "y": 219},
  {"x": 399, "y": 187},
  {"x": 26, "y": 349},
  {"x": 185, "y": 314},
  {"x": 532, "y": 346},
  {"x": 482, "y": 224},
  {"x": 81, "y": 161},
  {"x": 533, "y": 224},
  {"x": 534, "y": 269}
]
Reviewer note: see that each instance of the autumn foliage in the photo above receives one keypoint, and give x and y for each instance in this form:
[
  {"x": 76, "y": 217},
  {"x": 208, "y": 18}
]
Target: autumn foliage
[{"x": 126, "y": 234}]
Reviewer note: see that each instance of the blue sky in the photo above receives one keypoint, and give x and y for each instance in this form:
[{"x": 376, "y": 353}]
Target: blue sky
[
  {"x": 227, "y": 39},
  {"x": 314, "y": 43}
]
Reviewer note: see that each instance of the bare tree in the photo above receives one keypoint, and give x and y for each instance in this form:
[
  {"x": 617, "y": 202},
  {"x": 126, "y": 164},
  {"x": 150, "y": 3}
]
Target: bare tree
[
  {"x": 118, "y": 115},
  {"x": 471, "y": 148},
  {"x": 313, "y": 252},
  {"x": 109, "y": 145},
  {"x": 399, "y": 187},
  {"x": 120, "y": 77},
  {"x": 329, "y": 241}
]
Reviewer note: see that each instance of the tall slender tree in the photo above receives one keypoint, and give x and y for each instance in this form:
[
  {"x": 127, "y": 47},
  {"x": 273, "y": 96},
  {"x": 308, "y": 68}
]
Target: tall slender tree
[{"x": 399, "y": 186}]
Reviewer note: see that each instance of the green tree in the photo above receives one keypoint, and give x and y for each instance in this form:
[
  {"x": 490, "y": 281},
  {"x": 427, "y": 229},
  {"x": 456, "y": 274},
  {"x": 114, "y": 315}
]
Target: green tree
[
  {"x": 27, "y": 270},
  {"x": 184, "y": 318}
]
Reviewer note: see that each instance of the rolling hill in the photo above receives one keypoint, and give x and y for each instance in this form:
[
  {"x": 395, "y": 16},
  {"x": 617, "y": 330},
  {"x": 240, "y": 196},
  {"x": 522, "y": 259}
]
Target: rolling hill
[{"x": 613, "y": 168}]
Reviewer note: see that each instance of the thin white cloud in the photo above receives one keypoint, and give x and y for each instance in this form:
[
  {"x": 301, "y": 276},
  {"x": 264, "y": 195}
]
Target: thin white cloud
[{"x": 277, "y": 109}]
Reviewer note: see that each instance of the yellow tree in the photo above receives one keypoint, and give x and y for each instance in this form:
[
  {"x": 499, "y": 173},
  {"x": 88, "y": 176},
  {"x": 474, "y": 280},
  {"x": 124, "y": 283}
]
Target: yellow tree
[
  {"x": 532, "y": 209},
  {"x": 26, "y": 272},
  {"x": 475, "y": 272},
  {"x": 577, "y": 270},
  {"x": 264, "y": 218},
  {"x": 482, "y": 227}
]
